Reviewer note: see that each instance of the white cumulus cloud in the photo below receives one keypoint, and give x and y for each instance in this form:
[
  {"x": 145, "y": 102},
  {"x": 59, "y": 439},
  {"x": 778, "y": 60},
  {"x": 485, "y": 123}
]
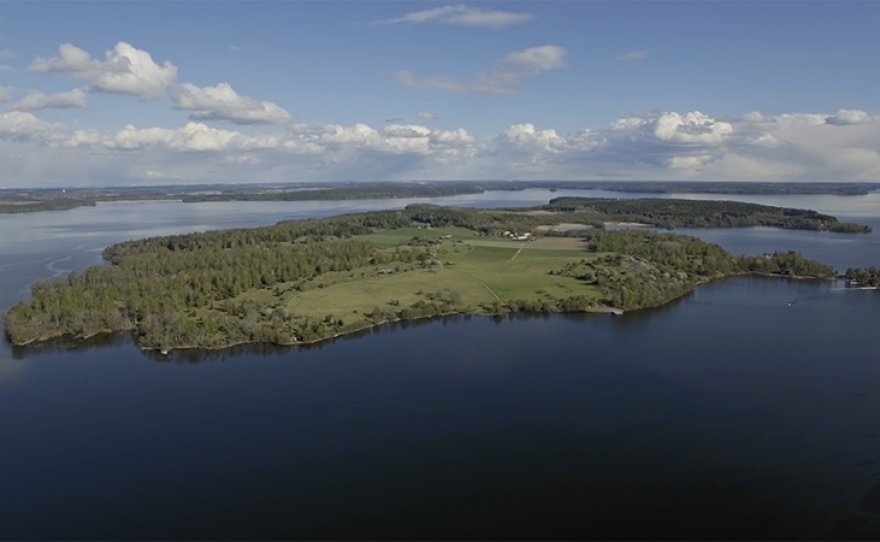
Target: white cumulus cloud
[
  {"x": 425, "y": 115},
  {"x": 674, "y": 128},
  {"x": 461, "y": 15},
  {"x": 222, "y": 103},
  {"x": 331, "y": 141},
  {"x": 846, "y": 117},
  {"x": 6, "y": 93},
  {"x": 506, "y": 76},
  {"x": 525, "y": 137},
  {"x": 19, "y": 126},
  {"x": 125, "y": 70},
  {"x": 36, "y": 100},
  {"x": 192, "y": 137}
]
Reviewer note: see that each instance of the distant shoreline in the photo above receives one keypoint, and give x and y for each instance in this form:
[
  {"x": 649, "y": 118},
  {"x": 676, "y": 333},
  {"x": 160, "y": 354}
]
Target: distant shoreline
[{"x": 26, "y": 200}]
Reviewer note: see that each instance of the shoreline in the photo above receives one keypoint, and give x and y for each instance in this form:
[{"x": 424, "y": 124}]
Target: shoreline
[{"x": 614, "y": 311}]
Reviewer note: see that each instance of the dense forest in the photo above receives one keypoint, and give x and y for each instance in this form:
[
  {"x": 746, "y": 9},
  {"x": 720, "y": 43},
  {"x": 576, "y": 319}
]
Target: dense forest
[
  {"x": 219, "y": 288},
  {"x": 677, "y": 213},
  {"x": 645, "y": 269}
]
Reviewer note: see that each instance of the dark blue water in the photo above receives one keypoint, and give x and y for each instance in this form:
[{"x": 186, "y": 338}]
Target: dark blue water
[{"x": 747, "y": 410}]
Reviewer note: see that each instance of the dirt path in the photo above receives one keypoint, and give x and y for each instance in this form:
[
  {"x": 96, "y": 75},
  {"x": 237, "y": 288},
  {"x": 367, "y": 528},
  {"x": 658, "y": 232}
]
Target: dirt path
[
  {"x": 517, "y": 252},
  {"x": 484, "y": 285}
]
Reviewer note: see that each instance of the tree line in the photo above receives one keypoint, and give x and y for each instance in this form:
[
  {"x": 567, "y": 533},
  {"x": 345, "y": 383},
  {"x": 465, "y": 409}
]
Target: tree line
[{"x": 864, "y": 276}]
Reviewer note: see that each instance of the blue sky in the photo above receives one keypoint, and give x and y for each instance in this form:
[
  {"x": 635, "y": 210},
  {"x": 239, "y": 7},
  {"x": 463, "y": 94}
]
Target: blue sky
[{"x": 569, "y": 90}]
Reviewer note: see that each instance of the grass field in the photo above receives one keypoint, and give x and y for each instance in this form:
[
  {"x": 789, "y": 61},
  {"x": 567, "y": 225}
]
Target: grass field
[
  {"x": 475, "y": 270},
  {"x": 350, "y": 300},
  {"x": 393, "y": 238}
]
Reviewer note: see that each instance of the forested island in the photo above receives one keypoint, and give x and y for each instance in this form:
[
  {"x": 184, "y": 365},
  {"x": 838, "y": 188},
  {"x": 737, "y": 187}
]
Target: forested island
[
  {"x": 304, "y": 281},
  {"x": 673, "y": 213},
  {"x": 17, "y": 205}
]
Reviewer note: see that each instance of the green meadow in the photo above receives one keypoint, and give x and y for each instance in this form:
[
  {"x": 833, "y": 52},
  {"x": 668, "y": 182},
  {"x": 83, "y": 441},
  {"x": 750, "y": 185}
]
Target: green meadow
[{"x": 472, "y": 271}]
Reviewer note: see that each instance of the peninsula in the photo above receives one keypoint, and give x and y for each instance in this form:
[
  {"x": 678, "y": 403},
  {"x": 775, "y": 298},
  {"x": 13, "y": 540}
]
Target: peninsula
[{"x": 304, "y": 281}]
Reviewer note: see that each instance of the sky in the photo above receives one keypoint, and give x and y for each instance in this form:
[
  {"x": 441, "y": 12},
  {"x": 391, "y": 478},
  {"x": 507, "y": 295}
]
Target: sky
[{"x": 144, "y": 93}]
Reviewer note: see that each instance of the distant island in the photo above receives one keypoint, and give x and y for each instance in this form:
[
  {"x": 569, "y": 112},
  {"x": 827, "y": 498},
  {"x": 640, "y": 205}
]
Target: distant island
[
  {"x": 673, "y": 213},
  {"x": 23, "y": 205},
  {"x": 304, "y": 281},
  {"x": 56, "y": 199}
]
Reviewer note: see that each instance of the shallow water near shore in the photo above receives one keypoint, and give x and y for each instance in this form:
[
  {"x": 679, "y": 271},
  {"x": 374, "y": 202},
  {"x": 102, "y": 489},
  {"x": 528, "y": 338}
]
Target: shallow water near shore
[{"x": 747, "y": 409}]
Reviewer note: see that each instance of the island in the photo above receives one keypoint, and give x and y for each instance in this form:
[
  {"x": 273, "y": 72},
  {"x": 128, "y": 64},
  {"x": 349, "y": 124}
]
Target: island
[
  {"x": 304, "y": 281},
  {"x": 679, "y": 213},
  {"x": 25, "y": 205}
]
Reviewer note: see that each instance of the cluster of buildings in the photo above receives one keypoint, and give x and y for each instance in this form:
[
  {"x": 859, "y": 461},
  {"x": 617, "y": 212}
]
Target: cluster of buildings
[{"x": 517, "y": 237}]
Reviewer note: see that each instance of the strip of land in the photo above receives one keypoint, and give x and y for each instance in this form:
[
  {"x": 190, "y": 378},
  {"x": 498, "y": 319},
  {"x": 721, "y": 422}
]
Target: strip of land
[
  {"x": 49, "y": 199},
  {"x": 8, "y": 206}
]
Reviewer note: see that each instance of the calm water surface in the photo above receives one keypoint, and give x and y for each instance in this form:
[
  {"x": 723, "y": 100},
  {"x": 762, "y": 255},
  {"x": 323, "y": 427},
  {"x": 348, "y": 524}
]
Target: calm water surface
[{"x": 749, "y": 409}]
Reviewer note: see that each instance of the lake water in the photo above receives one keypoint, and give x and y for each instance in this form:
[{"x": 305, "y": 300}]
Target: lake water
[{"x": 727, "y": 414}]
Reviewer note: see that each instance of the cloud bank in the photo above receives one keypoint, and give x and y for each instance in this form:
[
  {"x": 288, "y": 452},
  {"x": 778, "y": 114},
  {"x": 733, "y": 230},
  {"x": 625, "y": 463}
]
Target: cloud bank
[{"x": 662, "y": 145}]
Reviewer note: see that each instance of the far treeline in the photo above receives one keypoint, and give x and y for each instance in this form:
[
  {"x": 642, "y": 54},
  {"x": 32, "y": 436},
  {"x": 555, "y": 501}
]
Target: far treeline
[
  {"x": 350, "y": 192},
  {"x": 32, "y": 206},
  {"x": 356, "y": 191},
  {"x": 61, "y": 199},
  {"x": 221, "y": 288}
]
